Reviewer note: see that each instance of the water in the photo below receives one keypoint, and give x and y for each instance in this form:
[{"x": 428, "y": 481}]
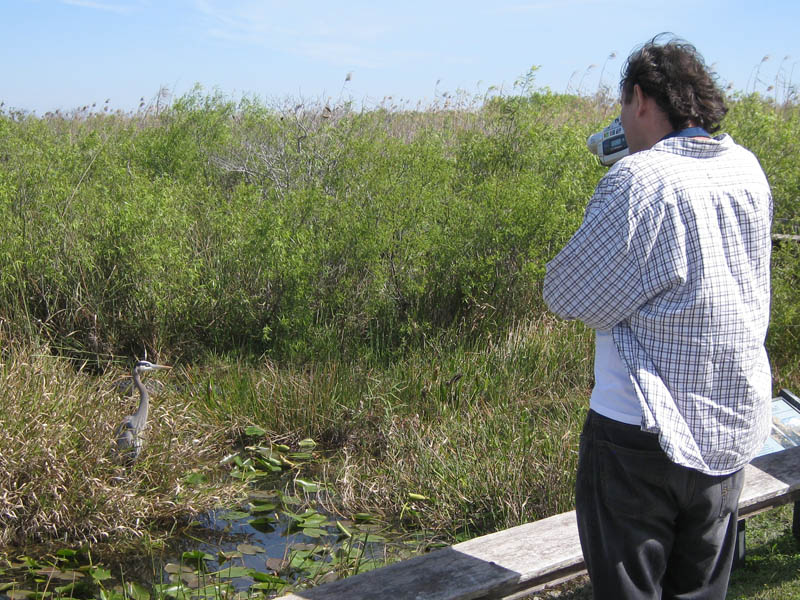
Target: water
[
  {"x": 274, "y": 541},
  {"x": 280, "y": 541}
]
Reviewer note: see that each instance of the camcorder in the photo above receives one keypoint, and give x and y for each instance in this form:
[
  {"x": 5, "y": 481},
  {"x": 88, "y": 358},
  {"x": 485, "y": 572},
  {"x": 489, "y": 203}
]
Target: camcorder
[{"x": 610, "y": 144}]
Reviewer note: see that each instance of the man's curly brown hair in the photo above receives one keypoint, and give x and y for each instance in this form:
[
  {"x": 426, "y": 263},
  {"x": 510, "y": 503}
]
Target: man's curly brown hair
[{"x": 675, "y": 75}]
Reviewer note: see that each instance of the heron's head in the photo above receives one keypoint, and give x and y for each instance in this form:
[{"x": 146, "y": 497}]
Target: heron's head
[{"x": 143, "y": 366}]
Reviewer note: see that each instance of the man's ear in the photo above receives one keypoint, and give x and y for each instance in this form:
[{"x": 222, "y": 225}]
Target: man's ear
[{"x": 640, "y": 99}]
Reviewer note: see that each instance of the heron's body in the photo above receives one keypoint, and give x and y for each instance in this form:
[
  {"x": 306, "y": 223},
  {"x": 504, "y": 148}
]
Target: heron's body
[{"x": 128, "y": 436}]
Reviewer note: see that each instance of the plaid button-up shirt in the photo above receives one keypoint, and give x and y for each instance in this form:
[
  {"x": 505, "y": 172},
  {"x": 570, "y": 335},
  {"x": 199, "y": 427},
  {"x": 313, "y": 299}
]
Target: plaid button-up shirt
[{"x": 673, "y": 256}]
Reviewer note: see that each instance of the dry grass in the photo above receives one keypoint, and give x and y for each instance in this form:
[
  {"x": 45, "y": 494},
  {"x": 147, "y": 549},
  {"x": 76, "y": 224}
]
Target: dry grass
[
  {"x": 440, "y": 423},
  {"x": 57, "y": 477}
]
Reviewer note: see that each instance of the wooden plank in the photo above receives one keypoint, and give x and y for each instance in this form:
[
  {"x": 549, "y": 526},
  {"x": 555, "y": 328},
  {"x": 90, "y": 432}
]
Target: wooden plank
[
  {"x": 496, "y": 565},
  {"x": 530, "y": 556},
  {"x": 770, "y": 480},
  {"x": 781, "y": 237}
]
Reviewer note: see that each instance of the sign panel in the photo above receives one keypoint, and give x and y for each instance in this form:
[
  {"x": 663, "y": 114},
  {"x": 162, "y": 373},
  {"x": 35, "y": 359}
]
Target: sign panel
[{"x": 785, "y": 423}]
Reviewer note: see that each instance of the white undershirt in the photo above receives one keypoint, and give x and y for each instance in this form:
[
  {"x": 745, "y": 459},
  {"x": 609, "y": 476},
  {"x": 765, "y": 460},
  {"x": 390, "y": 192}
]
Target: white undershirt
[{"x": 613, "y": 395}]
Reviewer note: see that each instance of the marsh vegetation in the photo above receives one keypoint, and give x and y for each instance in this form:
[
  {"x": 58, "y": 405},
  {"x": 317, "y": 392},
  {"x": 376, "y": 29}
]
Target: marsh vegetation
[{"x": 366, "y": 279}]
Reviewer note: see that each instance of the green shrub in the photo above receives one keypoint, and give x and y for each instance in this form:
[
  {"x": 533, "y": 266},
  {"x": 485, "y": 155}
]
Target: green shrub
[{"x": 309, "y": 231}]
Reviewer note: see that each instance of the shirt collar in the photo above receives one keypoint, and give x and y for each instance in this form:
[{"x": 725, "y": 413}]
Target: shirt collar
[{"x": 688, "y": 132}]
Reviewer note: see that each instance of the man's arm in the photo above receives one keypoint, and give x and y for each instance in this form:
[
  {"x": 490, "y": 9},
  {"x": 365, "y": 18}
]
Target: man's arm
[{"x": 623, "y": 254}]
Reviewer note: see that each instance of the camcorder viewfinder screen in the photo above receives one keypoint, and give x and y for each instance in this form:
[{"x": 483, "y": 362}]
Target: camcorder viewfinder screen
[{"x": 614, "y": 144}]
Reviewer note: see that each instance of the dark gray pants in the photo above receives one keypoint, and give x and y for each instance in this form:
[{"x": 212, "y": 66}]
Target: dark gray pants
[{"x": 650, "y": 528}]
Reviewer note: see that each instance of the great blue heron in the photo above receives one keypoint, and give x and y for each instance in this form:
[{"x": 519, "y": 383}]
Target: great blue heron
[{"x": 128, "y": 435}]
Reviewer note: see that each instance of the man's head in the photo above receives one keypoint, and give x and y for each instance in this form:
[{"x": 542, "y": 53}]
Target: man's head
[{"x": 673, "y": 77}]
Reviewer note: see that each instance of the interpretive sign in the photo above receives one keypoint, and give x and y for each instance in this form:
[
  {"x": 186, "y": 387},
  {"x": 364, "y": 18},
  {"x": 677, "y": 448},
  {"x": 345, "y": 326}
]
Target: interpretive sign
[{"x": 785, "y": 423}]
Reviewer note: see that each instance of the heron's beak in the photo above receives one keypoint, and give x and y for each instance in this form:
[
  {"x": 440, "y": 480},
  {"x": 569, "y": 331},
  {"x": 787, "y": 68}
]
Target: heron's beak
[{"x": 161, "y": 367}]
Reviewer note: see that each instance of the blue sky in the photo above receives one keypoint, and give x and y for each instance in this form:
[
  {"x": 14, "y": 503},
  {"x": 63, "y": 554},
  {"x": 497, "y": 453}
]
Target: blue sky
[{"x": 63, "y": 54}]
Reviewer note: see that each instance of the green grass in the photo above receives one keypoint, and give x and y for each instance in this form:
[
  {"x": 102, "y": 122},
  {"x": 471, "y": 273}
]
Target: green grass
[
  {"x": 441, "y": 423},
  {"x": 59, "y": 480},
  {"x": 772, "y": 567}
]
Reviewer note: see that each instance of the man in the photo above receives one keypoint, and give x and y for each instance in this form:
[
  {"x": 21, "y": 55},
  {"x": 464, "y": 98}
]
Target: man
[{"x": 671, "y": 267}]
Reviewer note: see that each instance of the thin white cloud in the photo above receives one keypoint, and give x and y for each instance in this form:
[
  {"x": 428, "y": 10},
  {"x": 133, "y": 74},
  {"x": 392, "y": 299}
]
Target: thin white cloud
[
  {"x": 120, "y": 8},
  {"x": 246, "y": 16},
  {"x": 560, "y": 5},
  {"x": 337, "y": 37},
  {"x": 245, "y": 21}
]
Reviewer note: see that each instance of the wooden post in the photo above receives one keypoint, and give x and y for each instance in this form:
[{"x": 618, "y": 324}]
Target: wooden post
[{"x": 739, "y": 553}]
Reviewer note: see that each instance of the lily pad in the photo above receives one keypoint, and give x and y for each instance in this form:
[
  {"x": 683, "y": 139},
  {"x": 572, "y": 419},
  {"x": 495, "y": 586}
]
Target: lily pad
[
  {"x": 265, "y": 577},
  {"x": 112, "y": 594},
  {"x": 249, "y": 549},
  {"x": 314, "y": 532},
  {"x": 277, "y": 564},
  {"x": 191, "y": 580},
  {"x": 290, "y": 500},
  {"x": 136, "y": 591},
  {"x": 233, "y": 572},
  {"x": 196, "y": 555},
  {"x": 225, "y": 555},
  {"x": 302, "y": 561},
  {"x": 263, "y": 524},
  {"x": 233, "y": 515},
  {"x": 305, "y": 549},
  {"x": 53, "y": 573},
  {"x": 173, "y": 568},
  {"x": 257, "y": 496},
  {"x": 276, "y": 586}
]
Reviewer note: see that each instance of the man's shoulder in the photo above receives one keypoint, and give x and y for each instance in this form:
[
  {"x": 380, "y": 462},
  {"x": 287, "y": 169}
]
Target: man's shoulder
[
  {"x": 674, "y": 158},
  {"x": 634, "y": 171}
]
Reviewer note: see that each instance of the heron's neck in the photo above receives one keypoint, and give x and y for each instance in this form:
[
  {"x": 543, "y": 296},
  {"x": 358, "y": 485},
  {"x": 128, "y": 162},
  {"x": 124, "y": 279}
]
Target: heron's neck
[{"x": 144, "y": 397}]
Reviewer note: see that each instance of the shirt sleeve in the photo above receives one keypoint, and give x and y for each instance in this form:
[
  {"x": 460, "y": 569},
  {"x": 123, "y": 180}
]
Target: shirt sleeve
[{"x": 627, "y": 250}]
